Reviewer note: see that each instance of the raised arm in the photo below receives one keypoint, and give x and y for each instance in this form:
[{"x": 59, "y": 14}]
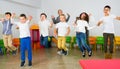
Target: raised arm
[
  {"x": 68, "y": 31},
  {"x": 118, "y": 18},
  {"x": 68, "y": 17}
]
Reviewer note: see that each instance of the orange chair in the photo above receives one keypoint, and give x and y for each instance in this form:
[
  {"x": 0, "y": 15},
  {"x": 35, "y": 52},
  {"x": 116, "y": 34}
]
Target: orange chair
[
  {"x": 116, "y": 42},
  {"x": 92, "y": 41},
  {"x": 16, "y": 42}
]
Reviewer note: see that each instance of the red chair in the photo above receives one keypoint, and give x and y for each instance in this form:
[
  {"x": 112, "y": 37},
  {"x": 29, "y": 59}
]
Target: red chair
[{"x": 35, "y": 36}]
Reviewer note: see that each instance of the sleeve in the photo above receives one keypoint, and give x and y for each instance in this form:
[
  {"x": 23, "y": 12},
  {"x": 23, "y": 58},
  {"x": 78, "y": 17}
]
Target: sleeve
[
  {"x": 101, "y": 19},
  {"x": 68, "y": 18}
]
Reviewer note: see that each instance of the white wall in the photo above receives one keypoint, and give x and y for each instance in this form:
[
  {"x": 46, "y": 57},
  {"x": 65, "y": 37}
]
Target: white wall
[
  {"x": 74, "y": 8},
  {"x": 18, "y": 9}
]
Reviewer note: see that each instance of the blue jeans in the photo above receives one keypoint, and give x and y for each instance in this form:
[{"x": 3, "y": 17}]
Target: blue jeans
[
  {"x": 44, "y": 41},
  {"x": 25, "y": 44},
  {"x": 81, "y": 41}
]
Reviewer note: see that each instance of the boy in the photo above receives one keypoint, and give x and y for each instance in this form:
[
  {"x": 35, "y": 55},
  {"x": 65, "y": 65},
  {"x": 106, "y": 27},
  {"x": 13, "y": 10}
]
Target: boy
[
  {"x": 108, "y": 31},
  {"x": 7, "y": 33},
  {"x": 44, "y": 25},
  {"x": 25, "y": 40},
  {"x": 63, "y": 31}
]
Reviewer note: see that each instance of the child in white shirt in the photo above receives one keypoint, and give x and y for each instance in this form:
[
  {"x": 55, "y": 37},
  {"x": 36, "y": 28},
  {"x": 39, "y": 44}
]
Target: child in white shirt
[{"x": 63, "y": 30}]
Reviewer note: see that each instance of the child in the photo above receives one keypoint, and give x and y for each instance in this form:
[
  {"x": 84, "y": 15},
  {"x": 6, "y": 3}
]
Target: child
[
  {"x": 108, "y": 31},
  {"x": 44, "y": 25},
  {"x": 7, "y": 33},
  {"x": 25, "y": 40},
  {"x": 81, "y": 24},
  {"x": 63, "y": 31}
]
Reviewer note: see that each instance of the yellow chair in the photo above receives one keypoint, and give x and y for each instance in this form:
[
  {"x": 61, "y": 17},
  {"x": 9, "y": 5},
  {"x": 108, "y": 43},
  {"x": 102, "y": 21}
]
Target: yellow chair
[{"x": 116, "y": 42}]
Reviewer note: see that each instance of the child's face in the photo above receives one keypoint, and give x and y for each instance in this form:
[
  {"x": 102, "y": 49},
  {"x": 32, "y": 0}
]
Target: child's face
[
  {"x": 62, "y": 18},
  {"x": 7, "y": 16},
  {"x": 42, "y": 17},
  {"x": 22, "y": 19},
  {"x": 106, "y": 10},
  {"x": 83, "y": 16},
  {"x": 60, "y": 12}
]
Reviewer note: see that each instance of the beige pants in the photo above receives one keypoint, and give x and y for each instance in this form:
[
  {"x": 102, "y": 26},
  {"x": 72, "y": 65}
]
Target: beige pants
[{"x": 8, "y": 42}]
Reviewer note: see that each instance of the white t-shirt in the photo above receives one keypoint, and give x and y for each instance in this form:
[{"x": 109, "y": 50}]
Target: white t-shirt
[
  {"x": 24, "y": 29},
  {"x": 81, "y": 24},
  {"x": 108, "y": 23},
  {"x": 62, "y": 28},
  {"x": 44, "y": 27}
]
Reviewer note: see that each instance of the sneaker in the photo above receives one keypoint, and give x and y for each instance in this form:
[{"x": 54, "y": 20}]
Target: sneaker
[
  {"x": 14, "y": 52},
  {"x": 66, "y": 52},
  {"x": 90, "y": 53},
  {"x": 83, "y": 54},
  {"x": 22, "y": 63},
  {"x": 30, "y": 63},
  {"x": 59, "y": 52}
]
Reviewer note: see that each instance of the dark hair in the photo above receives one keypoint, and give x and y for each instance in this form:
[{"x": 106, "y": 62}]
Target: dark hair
[
  {"x": 23, "y": 15},
  {"x": 86, "y": 16},
  {"x": 8, "y": 13},
  {"x": 43, "y": 14},
  {"x": 107, "y": 6}
]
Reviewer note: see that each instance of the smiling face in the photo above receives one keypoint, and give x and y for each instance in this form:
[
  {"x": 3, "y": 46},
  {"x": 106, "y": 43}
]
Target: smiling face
[
  {"x": 22, "y": 19},
  {"x": 62, "y": 18},
  {"x": 83, "y": 16},
  {"x": 42, "y": 17},
  {"x": 106, "y": 11},
  {"x": 60, "y": 12},
  {"x": 7, "y": 16}
]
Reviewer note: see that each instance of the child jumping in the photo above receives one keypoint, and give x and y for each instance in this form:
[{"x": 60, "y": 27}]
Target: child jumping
[{"x": 63, "y": 31}]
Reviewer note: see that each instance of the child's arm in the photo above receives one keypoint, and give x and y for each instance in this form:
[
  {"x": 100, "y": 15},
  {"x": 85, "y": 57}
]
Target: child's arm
[
  {"x": 55, "y": 32},
  {"x": 118, "y": 18},
  {"x": 2, "y": 20},
  {"x": 68, "y": 31},
  {"x": 99, "y": 23},
  {"x": 51, "y": 24}
]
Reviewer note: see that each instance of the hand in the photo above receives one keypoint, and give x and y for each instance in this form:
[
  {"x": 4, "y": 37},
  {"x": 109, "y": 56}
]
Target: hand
[
  {"x": 13, "y": 15},
  {"x": 2, "y": 19},
  {"x": 90, "y": 14},
  {"x": 17, "y": 27},
  {"x": 30, "y": 18},
  {"x": 99, "y": 23},
  {"x": 52, "y": 17}
]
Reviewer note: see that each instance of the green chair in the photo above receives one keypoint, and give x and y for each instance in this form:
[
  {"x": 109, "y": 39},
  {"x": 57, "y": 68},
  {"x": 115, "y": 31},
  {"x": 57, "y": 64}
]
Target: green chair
[
  {"x": 100, "y": 41},
  {"x": 73, "y": 41},
  {"x": 68, "y": 41},
  {"x": 2, "y": 46}
]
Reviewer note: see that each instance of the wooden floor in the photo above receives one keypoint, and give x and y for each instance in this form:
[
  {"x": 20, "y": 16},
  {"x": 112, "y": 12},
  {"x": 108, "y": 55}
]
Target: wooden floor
[{"x": 48, "y": 59}]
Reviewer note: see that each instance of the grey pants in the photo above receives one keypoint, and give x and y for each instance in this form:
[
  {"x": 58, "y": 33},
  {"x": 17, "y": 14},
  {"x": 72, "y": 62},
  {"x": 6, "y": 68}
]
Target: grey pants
[{"x": 111, "y": 38}]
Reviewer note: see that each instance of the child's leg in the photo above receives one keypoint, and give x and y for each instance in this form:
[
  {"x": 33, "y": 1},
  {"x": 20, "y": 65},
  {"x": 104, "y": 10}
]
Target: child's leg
[
  {"x": 28, "y": 44},
  {"x": 59, "y": 43},
  {"x": 83, "y": 38},
  {"x": 22, "y": 49},
  {"x": 63, "y": 44},
  {"x": 105, "y": 35},
  {"x": 13, "y": 48},
  {"x": 45, "y": 41},
  {"x": 79, "y": 42},
  {"x": 111, "y": 43},
  {"x": 5, "y": 40}
]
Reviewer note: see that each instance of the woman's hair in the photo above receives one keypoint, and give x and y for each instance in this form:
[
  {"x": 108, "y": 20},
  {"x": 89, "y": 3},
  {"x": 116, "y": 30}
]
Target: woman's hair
[{"x": 86, "y": 18}]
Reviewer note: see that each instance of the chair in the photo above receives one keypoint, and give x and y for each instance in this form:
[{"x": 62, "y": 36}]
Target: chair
[
  {"x": 35, "y": 36},
  {"x": 73, "y": 41},
  {"x": 68, "y": 41},
  {"x": 2, "y": 46},
  {"x": 92, "y": 41},
  {"x": 116, "y": 42},
  {"x": 16, "y": 42},
  {"x": 100, "y": 41}
]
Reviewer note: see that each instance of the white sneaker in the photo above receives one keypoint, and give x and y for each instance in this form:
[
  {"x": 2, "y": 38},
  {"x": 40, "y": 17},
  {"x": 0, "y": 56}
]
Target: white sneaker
[{"x": 59, "y": 52}]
